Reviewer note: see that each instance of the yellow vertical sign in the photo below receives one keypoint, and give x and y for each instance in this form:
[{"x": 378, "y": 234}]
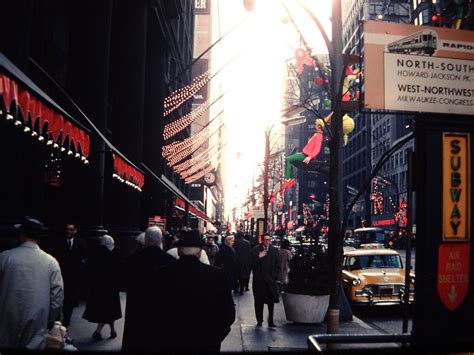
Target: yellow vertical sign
[{"x": 456, "y": 198}]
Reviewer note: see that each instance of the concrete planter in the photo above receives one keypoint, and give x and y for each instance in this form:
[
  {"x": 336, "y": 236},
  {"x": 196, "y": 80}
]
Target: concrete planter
[{"x": 304, "y": 308}]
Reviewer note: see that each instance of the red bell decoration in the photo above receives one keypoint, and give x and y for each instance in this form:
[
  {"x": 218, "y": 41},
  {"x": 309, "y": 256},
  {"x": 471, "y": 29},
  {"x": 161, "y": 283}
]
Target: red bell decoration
[{"x": 319, "y": 81}]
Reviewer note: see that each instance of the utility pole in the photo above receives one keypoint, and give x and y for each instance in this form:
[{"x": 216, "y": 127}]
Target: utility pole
[
  {"x": 335, "y": 250},
  {"x": 266, "y": 166}
]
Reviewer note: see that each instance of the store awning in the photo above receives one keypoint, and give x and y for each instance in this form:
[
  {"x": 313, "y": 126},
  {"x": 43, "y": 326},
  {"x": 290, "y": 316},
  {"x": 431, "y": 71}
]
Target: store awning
[
  {"x": 181, "y": 204},
  {"x": 199, "y": 214},
  {"x": 28, "y": 106},
  {"x": 126, "y": 173}
]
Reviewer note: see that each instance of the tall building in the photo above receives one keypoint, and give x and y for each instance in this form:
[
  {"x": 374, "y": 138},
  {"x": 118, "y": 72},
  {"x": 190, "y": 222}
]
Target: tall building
[
  {"x": 376, "y": 131},
  {"x": 91, "y": 153},
  {"x": 207, "y": 191}
]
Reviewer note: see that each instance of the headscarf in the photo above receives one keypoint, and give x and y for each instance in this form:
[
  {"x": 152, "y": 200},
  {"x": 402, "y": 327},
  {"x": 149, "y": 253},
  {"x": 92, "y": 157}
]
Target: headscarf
[{"x": 107, "y": 241}]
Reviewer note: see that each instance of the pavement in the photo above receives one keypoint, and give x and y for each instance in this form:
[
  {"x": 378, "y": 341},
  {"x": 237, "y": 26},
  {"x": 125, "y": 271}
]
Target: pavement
[{"x": 243, "y": 337}]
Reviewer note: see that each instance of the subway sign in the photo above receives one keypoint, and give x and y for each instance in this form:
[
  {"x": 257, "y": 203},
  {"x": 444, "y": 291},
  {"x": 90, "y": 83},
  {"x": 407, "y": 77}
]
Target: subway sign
[
  {"x": 454, "y": 249},
  {"x": 456, "y": 163}
]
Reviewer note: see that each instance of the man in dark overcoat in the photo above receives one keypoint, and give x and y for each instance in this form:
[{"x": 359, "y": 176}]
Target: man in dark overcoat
[
  {"x": 242, "y": 256},
  {"x": 71, "y": 254},
  {"x": 141, "y": 269},
  {"x": 265, "y": 268},
  {"x": 225, "y": 259},
  {"x": 193, "y": 309}
]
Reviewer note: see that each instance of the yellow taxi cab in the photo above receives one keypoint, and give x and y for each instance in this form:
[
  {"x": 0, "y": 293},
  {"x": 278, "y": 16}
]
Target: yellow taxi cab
[{"x": 374, "y": 275}]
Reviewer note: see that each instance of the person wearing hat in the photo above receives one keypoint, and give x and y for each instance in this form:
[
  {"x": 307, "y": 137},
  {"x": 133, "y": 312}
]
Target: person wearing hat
[
  {"x": 140, "y": 270},
  {"x": 199, "y": 307},
  {"x": 31, "y": 290},
  {"x": 174, "y": 253},
  {"x": 103, "y": 302}
]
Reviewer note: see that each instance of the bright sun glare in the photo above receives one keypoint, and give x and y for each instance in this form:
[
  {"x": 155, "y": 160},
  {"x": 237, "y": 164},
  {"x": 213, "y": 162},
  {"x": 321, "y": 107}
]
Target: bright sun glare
[{"x": 253, "y": 81}]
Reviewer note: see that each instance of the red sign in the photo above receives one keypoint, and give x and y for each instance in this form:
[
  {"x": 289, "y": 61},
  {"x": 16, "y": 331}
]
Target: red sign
[
  {"x": 453, "y": 273},
  {"x": 383, "y": 222},
  {"x": 157, "y": 221}
]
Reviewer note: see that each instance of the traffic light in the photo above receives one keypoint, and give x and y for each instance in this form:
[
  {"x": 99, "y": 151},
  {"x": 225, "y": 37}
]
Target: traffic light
[{"x": 436, "y": 20}]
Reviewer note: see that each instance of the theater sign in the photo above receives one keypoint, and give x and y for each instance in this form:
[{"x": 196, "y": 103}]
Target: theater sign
[{"x": 418, "y": 68}]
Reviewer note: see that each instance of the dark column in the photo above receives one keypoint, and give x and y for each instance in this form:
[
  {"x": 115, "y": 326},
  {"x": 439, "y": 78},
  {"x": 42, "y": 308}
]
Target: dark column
[
  {"x": 88, "y": 81},
  {"x": 15, "y": 35},
  {"x": 128, "y": 94},
  {"x": 153, "y": 202}
]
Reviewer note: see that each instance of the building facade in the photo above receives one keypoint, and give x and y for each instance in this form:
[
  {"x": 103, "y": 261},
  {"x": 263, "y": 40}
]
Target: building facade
[
  {"x": 376, "y": 131},
  {"x": 84, "y": 84}
]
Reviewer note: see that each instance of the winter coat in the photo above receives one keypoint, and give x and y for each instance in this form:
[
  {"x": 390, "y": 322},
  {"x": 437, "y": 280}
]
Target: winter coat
[
  {"x": 226, "y": 260},
  {"x": 140, "y": 272},
  {"x": 72, "y": 263},
  {"x": 192, "y": 310},
  {"x": 31, "y": 296},
  {"x": 242, "y": 255},
  {"x": 265, "y": 273},
  {"x": 103, "y": 275},
  {"x": 211, "y": 251}
]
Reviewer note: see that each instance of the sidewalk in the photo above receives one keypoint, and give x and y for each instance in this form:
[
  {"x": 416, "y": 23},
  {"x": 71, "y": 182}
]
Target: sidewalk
[{"x": 244, "y": 335}]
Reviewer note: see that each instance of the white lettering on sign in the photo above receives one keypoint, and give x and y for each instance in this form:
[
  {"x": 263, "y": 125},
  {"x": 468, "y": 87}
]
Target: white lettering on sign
[
  {"x": 429, "y": 84},
  {"x": 453, "y": 266},
  {"x": 458, "y": 278},
  {"x": 200, "y": 4}
]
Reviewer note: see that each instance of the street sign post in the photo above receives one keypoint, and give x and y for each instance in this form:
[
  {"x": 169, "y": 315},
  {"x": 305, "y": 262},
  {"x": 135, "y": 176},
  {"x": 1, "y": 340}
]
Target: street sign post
[
  {"x": 454, "y": 249},
  {"x": 444, "y": 297}
]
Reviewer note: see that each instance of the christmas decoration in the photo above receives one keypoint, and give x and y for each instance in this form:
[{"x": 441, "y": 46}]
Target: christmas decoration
[
  {"x": 303, "y": 57},
  {"x": 125, "y": 173},
  {"x": 177, "y": 126},
  {"x": 41, "y": 121},
  {"x": 180, "y": 96}
]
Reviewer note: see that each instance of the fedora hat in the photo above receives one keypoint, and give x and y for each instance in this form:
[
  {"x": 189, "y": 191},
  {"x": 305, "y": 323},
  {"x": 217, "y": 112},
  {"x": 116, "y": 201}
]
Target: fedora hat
[
  {"x": 190, "y": 238},
  {"x": 31, "y": 226}
]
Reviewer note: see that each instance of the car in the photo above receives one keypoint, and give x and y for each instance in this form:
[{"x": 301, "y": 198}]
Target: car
[
  {"x": 374, "y": 275},
  {"x": 368, "y": 235}
]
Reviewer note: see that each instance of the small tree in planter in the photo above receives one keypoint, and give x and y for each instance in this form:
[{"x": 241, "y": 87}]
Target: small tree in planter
[
  {"x": 306, "y": 298},
  {"x": 309, "y": 271}
]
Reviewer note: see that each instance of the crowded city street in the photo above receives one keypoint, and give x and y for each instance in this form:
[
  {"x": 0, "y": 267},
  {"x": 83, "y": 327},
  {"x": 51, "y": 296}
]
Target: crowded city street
[{"x": 237, "y": 176}]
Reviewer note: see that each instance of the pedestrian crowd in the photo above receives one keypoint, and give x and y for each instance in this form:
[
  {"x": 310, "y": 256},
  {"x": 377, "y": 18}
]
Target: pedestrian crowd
[{"x": 179, "y": 286}]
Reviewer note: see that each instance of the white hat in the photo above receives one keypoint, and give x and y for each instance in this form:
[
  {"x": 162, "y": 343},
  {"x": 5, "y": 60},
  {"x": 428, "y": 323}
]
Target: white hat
[{"x": 107, "y": 241}]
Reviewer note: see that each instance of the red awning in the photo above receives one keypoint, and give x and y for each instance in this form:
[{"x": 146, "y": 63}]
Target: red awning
[
  {"x": 180, "y": 203},
  {"x": 126, "y": 172},
  {"x": 35, "y": 114}
]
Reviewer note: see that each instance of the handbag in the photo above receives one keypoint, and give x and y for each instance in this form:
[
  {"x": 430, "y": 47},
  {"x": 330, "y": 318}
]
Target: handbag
[{"x": 55, "y": 338}]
